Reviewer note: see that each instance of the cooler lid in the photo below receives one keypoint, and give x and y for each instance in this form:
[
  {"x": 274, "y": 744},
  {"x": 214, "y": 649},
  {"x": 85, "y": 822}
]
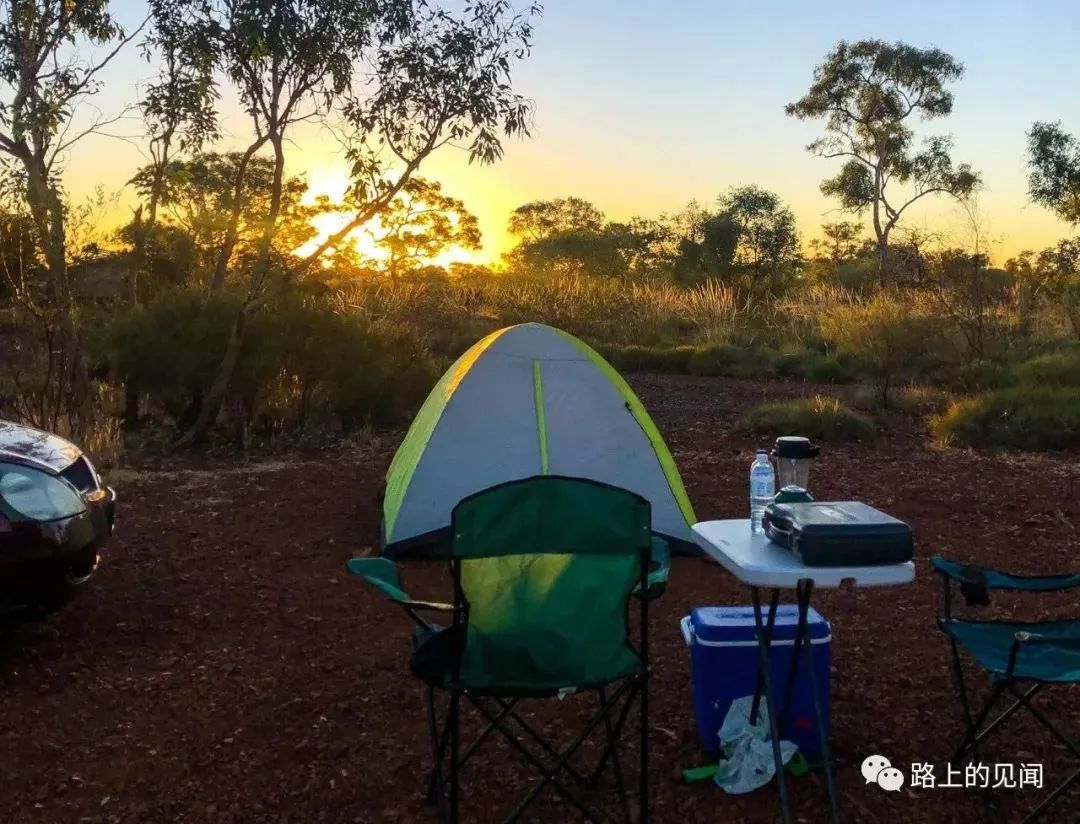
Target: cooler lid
[{"x": 734, "y": 624}]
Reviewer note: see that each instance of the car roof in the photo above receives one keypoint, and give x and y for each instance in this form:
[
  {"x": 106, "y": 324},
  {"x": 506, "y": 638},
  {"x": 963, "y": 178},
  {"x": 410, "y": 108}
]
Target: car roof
[{"x": 27, "y": 445}]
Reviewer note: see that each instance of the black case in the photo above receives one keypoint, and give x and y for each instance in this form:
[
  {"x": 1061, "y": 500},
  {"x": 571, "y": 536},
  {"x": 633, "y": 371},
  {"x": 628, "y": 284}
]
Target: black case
[{"x": 843, "y": 533}]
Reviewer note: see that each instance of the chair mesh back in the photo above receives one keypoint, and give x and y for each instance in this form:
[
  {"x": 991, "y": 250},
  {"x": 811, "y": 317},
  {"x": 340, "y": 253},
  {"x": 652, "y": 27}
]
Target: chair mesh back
[{"x": 546, "y": 567}]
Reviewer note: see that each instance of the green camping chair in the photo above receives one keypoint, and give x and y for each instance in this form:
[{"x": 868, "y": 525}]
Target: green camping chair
[
  {"x": 544, "y": 571},
  {"x": 1036, "y": 655}
]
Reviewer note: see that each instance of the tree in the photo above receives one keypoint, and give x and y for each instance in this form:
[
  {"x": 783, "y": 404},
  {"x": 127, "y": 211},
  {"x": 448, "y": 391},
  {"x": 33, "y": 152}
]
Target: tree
[
  {"x": 706, "y": 245},
  {"x": 1053, "y": 274},
  {"x": 768, "y": 242},
  {"x": 868, "y": 92},
  {"x": 52, "y": 53},
  {"x": 421, "y": 223},
  {"x": 1054, "y": 159},
  {"x": 542, "y": 218},
  {"x": 402, "y": 78},
  {"x": 197, "y": 196},
  {"x": 178, "y": 112}
]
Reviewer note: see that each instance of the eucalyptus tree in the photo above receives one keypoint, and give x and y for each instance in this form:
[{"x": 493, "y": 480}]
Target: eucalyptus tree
[
  {"x": 52, "y": 53},
  {"x": 868, "y": 93},
  {"x": 1054, "y": 160},
  {"x": 402, "y": 78},
  {"x": 178, "y": 109}
]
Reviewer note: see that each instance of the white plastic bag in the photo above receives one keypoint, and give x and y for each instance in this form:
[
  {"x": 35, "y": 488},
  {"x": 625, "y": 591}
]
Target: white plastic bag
[{"x": 749, "y": 760}]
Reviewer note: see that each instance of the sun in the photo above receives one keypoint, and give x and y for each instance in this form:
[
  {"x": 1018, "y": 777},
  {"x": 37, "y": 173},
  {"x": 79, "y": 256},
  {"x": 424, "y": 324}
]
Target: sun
[{"x": 332, "y": 184}]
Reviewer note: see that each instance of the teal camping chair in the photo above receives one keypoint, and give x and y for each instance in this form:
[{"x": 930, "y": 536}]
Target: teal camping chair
[
  {"x": 545, "y": 571},
  {"x": 1034, "y": 654}
]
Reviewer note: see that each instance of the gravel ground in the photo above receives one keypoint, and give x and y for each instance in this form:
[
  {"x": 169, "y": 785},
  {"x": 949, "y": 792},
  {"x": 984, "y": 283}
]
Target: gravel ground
[{"x": 223, "y": 668}]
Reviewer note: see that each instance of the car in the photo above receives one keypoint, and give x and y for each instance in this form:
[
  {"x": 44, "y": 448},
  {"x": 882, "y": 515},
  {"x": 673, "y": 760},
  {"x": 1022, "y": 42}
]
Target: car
[{"x": 55, "y": 516}]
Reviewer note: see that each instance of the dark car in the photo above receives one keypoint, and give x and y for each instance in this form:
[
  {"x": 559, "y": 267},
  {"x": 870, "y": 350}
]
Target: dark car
[{"x": 55, "y": 514}]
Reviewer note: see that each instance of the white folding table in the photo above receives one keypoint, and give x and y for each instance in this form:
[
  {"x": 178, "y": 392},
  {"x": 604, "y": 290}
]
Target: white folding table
[{"x": 759, "y": 563}]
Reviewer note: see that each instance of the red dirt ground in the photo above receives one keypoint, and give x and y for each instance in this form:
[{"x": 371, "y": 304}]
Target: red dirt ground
[{"x": 223, "y": 668}]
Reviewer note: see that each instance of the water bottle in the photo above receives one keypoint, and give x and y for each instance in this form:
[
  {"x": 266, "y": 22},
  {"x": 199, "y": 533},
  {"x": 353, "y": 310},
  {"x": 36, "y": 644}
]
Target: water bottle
[{"x": 762, "y": 489}]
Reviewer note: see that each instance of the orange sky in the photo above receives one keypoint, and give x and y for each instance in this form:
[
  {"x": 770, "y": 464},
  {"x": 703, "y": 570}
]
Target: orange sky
[{"x": 642, "y": 106}]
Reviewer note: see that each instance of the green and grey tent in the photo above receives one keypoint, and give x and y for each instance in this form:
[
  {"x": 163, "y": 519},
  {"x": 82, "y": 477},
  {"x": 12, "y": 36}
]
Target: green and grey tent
[{"x": 526, "y": 400}]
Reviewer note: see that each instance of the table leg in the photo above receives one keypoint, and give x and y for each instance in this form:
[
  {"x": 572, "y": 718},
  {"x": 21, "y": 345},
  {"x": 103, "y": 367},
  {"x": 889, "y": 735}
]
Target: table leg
[
  {"x": 765, "y": 679},
  {"x": 774, "y": 601},
  {"x": 804, "y": 589},
  {"x": 800, "y": 637}
]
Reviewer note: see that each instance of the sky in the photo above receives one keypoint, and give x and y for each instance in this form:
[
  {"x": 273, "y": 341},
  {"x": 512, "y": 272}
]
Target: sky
[{"x": 643, "y": 105}]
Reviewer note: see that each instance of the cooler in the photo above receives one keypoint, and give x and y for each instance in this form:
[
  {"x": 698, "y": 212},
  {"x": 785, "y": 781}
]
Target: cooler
[{"x": 724, "y": 666}]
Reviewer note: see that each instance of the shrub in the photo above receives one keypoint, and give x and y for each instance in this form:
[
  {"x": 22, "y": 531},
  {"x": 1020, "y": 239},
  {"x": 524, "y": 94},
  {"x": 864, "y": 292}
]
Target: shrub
[
  {"x": 817, "y": 417},
  {"x": 729, "y": 360},
  {"x": 892, "y": 340},
  {"x": 981, "y": 376},
  {"x": 1038, "y": 419},
  {"x": 675, "y": 360},
  {"x": 812, "y": 366},
  {"x": 301, "y": 359},
  {"x": 914, "y": 399},
  {"x": 1056, "y": 369}
]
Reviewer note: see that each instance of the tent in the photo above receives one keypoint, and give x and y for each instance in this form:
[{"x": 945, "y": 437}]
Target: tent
[{"x": 526, "y": 400}]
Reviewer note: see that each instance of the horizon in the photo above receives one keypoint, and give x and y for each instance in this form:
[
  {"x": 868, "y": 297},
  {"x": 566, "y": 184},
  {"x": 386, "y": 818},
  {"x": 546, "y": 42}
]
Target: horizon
[{"x": 646, "y": 135}]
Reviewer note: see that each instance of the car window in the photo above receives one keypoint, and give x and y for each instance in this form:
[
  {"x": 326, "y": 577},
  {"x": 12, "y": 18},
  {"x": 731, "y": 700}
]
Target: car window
[{"x": 34, "y": 495}]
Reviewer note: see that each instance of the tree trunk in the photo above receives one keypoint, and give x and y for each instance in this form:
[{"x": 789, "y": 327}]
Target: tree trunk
[
  {"x": 73, "y": 395},
  {"x": 219, "y": 390},
  {"x": 232, "y": 234}
]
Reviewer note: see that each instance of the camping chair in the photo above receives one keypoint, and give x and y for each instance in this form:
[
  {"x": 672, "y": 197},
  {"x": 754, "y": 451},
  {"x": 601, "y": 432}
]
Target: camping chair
[
  {"x": 544, "y": 572},
  {"x": 1036, "y": 654}
]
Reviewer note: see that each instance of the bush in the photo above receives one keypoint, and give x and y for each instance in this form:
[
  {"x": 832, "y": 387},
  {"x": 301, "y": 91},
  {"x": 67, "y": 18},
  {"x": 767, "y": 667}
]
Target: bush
[
  {"x": 817, "y": 417},
  {"x": 892, "y": 340},
  {"x": 674, "y": 360},
  {"x": 730, "y": 360},
  {"x": 301, "y": 360},
  {"x": 1038, "y": 419},
  {"x": 914, "y": 399},
  {"x": 982, "y": 376},
  {"x": 1057, "y": 369},
  {"x": 812, "y": 366}
]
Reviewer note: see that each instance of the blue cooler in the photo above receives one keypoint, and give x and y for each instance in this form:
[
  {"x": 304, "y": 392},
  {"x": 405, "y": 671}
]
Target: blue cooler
[{"x": 724, "y": 666}]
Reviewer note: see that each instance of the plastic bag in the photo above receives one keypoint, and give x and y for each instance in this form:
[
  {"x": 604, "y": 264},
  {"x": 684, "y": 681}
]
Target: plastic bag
[{"x": 748, "y": 762}]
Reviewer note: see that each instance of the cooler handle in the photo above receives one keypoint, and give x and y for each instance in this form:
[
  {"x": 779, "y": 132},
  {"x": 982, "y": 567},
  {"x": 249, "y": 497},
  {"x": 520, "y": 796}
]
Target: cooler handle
[{"x": 687, "y": 630}]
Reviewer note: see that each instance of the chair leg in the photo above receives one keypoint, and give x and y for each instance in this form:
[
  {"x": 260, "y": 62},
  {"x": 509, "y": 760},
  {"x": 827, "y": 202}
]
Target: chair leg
[
  {"x": 969, "y": 721},
  {"x": 643, "y": 790},
  {"x": 1044, "y": 805},
  {"x": 1025, "y": 700},
  {"x": 453, "y": 729},
  {"x": 550, "y": 772},
  {"x": 972, "y": 737},
  {"x": 434, "y": 790}
]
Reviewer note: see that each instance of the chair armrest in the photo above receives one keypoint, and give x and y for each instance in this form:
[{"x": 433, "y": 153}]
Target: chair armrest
[
  {"x": 659, "y": 567},
  {"x": 382, "y": 574},
  {"x": 989, "y": 578}
]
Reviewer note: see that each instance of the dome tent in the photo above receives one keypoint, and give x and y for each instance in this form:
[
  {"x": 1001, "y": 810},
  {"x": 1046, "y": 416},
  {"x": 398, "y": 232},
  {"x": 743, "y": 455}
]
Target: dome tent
[{"x": 526, "y": 400}]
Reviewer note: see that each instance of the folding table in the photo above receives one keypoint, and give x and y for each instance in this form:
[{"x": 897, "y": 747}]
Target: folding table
[{"x": 761, "y": 564}]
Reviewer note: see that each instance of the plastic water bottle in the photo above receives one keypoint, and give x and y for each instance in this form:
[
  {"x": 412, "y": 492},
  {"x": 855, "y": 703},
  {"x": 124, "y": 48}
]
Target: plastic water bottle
[{"x": 762, "y": 489}]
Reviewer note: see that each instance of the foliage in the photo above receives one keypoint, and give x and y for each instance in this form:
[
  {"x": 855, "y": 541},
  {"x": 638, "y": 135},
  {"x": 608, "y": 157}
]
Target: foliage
[
  {"x": 420, "y": 223},
  {"x": 867, "y": 92},
  {"x": 891, "y": 339},
  {"x": 767, "y": 245},
  {"x": 1032, "y": 418},
  {"x": 1053, "y": 275},
  {"x": 543, "y": 218},
  {"x": 1056, "y": 369},
  {"x": 300, "y": 362},
  {"x": 819, "y": 417},
  {"x": 199, "y": 194},
  {"x": 1054, "y": 159}
]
